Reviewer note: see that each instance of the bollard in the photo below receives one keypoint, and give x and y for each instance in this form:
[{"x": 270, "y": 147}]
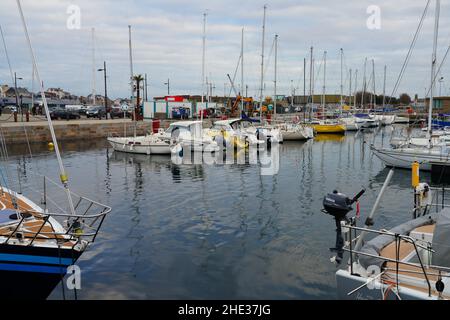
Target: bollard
[
  {"x": 15, "y": 116},
  {"x": 27, "y": 116}
]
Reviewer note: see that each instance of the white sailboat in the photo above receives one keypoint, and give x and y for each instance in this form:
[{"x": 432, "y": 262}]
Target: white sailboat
[
  {"x": 147, "y": 144},
  {"x": 417, "y": 150}
]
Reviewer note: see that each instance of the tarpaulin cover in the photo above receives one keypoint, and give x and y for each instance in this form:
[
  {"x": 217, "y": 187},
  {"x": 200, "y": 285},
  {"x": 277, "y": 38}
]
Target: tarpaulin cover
[
  {"x": 377, "y": 244},
  {"x": 441, "y": 240}
]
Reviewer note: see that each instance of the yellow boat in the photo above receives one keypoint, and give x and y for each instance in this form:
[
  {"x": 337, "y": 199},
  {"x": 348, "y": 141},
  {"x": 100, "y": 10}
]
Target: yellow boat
[
  {"x": 329, "y": 128},
  {"x": 329, "y": 137}
]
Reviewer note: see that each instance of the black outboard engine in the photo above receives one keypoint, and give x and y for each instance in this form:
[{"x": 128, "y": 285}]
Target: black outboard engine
[{"x": 338, "y": 205}]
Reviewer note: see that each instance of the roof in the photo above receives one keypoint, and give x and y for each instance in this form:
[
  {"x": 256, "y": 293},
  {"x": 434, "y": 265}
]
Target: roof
[
  {"x": 228, "y": 121},
  {"x": 185, "y": 123}
]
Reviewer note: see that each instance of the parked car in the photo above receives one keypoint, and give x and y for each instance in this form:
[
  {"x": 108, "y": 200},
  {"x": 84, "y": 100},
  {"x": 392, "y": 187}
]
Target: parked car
[
  {"x": 83, "y": 109},
  {"x": 10, "y": 109},
  {"x": 96, "y": 112},
  {"x": 180, "y": 113},
  {"x": 61, "y": 113},
  {"x": 118, "y": 112}
]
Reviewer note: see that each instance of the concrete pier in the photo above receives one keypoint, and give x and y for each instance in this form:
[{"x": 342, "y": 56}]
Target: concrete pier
[{"x": 38, "y": 131}]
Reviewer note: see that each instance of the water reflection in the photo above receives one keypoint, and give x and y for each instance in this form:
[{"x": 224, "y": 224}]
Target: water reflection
[{"x": 221, "y": 231}]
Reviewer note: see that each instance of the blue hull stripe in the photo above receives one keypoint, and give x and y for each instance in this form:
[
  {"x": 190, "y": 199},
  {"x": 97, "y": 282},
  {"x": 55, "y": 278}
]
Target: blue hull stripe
[
  {"x": 32, "y": 268},
  {"x": 35, "y": 259}
]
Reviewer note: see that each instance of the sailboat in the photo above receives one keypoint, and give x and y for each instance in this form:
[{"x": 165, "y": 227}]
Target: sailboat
[
  {"x": 430, "y": 153},
  {"x": 328, "y": 126},
  {"x": 38, "y": 244},
  {"x": 294, "y": 131},
  {"x": 147, "y": 144}
]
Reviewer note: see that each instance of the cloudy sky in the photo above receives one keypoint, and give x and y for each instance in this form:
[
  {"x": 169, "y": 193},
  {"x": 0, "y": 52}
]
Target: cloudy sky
[{"x": 167, "y": 43}]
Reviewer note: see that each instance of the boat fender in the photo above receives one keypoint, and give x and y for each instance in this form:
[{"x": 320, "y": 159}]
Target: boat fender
[{"x": 440, "y": 286}]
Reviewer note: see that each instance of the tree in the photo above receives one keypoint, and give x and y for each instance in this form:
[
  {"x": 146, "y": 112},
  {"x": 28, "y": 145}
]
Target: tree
[
  {"x": 359, "y": 96},
  {"x": 405, "y": 99},
  {"x": 138, "y": 79}
]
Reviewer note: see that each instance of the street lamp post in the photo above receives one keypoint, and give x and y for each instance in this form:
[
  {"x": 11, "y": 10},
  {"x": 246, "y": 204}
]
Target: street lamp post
[
  {"x": 106, "y": 90},
  {"x": 168, "y": 86},
  {"x": 440, "y": 86},
  {"x": 17, "y": 93}
]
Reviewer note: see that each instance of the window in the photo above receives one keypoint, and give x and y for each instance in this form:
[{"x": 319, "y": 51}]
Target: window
[{"x": 437, "y": 104}]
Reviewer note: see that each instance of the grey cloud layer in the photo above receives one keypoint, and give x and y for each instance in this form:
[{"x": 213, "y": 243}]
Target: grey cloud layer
[{"x": 167, "y": 41}]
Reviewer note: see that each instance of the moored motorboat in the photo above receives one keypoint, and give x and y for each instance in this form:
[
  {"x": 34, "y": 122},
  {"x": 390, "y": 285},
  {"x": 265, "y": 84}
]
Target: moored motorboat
[
  {"x": 188, "y": 134},
  {"x": 296, "y": 132},
  {"x": 148, "y": 145}
]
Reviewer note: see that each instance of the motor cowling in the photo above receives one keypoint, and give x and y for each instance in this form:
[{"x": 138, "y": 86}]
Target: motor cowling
[{"x": 338, "y": 204}]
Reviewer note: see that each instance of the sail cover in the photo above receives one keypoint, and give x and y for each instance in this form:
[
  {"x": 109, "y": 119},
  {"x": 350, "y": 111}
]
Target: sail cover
[
  {"x": 374, "y": 246},
  {"x": 441, "y": 239}
]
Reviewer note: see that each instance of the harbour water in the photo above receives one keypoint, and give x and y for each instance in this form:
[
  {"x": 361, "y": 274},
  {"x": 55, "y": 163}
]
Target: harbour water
[{"x": 218, "y": 231}]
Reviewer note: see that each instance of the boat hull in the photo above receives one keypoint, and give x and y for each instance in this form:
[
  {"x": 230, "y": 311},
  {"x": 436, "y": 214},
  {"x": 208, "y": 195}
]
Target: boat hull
[
  {"x": 128, "y": 146},
  {"x": 403, "y": 158},
  {"x": 387, "y": 120},
  {"x": 346, "y": 283},
  {"x": 298, "y": 134},
  {"x": 329, "y": 128},
  {"x": 33, "y": 272}
]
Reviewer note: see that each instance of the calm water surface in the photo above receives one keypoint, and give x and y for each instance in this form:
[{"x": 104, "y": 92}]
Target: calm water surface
[{"x": 218, "y": 231}]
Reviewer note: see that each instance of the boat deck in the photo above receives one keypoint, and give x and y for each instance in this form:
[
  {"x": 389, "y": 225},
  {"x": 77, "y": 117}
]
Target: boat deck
[
  {"x": 34, "y": 225},
  {"x": 409, "y": 276}
]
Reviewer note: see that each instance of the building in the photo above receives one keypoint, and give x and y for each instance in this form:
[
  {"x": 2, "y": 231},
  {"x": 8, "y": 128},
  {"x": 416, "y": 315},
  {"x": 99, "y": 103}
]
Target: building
[
  {"x": 57, "y": 93},
  {"x": 440, "y": 104},
  {"x": 21, "y": 92},
  {"x": 3, "y": 89},
  {"x": 317, "y": 99}
]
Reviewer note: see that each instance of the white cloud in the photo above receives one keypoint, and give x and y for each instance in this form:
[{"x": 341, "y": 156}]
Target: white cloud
[{"x": 167, "y": 41}]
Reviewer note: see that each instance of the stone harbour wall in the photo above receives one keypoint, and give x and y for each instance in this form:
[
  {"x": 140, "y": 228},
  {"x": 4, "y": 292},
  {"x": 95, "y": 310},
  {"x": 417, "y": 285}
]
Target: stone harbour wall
[{"x": 71, "y": 130}]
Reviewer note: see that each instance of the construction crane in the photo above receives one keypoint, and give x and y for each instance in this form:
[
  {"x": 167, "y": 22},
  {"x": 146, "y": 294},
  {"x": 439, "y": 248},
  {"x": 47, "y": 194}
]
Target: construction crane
[{"x": 235, "y": 107}]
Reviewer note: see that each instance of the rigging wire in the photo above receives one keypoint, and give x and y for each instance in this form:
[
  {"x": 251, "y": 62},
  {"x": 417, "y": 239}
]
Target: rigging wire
[
  {"x": 23, "y": 124},
  {"x": 409, "y": 54}
]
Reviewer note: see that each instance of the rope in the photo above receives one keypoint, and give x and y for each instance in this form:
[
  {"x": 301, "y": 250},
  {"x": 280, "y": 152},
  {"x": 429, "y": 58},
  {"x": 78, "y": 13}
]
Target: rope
[{"x": 408, "y": 56}]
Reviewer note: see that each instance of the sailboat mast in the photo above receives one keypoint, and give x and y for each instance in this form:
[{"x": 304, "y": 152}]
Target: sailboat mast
[
  {"x": 350, "y": 90},
  {"x": 275, "y": 81},
  {"x": 203, "y": 62},
  {"x": 364, "y": 84},
  {"x": 374, "y": 88},
  {"x": 384, "y": 88},
  {"x": 304, "y": 89},
  {"x": 342, "y": 83},
  {"x": 131, "y": 78},
  {"x": 131, "y": 63},
  {"x": 356, "y": 89},
  {"x": 242, "y": 73},
  {"x": 433, "y": 67},
  {"x": 93, "y": 68},
  {"x": 262, "y": 65},
  {"x": 310, "y": 84},
  {"x": 62, "y": 172},
  {"x": 324, "y": 82}
]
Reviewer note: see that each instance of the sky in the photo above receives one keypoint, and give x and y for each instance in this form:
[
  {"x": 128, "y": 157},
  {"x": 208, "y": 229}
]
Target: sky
[{"x": 167, "y": 44}]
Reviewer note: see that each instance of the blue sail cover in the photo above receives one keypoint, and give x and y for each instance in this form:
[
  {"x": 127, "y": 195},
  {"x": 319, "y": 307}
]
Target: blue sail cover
[
  {"x": 246, "y": 117},
  {"x": 362, "y": 115},
  {"x": 440, "y": 123}
]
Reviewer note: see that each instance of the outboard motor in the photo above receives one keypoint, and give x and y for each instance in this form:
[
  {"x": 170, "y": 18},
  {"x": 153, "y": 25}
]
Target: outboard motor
[{"x": 339, "y": 205}]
